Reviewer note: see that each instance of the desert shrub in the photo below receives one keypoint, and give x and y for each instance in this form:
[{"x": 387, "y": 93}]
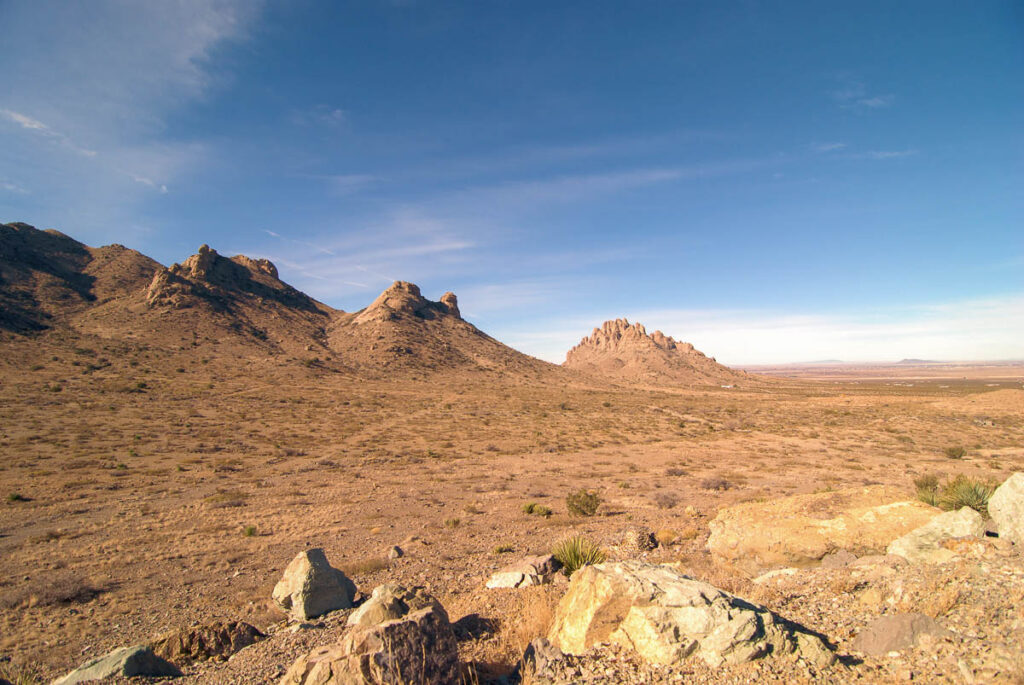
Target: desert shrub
[
  {"x": 965, "y": 492},
  {"x": 534, "y": 509},
  {"x": 452, "y": 522},
  {"x": 955, "y": 452},
  {"x": 16, "y": 497},
  {"x": 675, "y": 471},
  {"x": 582, "y": 502},
  {"x": 502, "y": 549},
  {"x": 575, "y": 552},
  {"x": 249, "y": 531},
  {"x": 364, "y": 567},
  {"x": 665, "y": 500},
  {"x": 715, "y": 483},
  {"x": 927, "y": 487}
]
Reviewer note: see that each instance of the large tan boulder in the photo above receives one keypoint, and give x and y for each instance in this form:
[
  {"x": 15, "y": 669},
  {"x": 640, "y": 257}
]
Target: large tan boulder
[
  {"x": 923, "y": 545},
  {"x": 126, "y": 662},
  {"x": 802, "y": 529},
  {"x": 310, "y": 587},
  {"x": 1006, "y": 507},
  {"x": 418, "y": 648},
  {"x": 390, "y": 601},
  {"x": 667, "y": 617}
]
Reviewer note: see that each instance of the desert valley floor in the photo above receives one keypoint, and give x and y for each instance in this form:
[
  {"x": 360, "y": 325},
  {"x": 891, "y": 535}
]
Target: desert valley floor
[{"x": 138, "y": 471}]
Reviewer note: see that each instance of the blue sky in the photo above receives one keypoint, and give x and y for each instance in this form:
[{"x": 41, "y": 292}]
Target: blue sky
[{"x": 771, "y": 181}]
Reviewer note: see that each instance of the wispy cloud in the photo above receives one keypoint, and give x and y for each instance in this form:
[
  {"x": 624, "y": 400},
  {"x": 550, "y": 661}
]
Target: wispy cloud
[
  {"x": 855, "y": 95},
  {"x": 320, "y": 115},
  {"x": 884, "y": 154},
  {"x": 39, "y": 128},
  {"x": 101, "y": 80},
  {"x": 827, "y": 147},
  {"x": 12, "y": 187}
]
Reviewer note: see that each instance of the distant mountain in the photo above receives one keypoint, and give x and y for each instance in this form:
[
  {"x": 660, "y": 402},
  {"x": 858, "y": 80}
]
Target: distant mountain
[
  {"x": 917, "y": 361},
  {"x": 51, "y": 281},
  {"x": 626, "y": 351}
]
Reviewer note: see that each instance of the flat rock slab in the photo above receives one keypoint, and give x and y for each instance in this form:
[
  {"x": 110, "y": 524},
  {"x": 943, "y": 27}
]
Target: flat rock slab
[
  {"x": 896, "y": 633},
  {"x": 667, "y": 617},
  {"x": 801, "y": 530},
  {"x": 125, "y": 662}
]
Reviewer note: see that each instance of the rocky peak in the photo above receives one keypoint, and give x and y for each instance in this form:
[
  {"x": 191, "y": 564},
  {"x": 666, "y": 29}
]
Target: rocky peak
[
  {"x": 621, "y": 335},
  {"x": 404, "y": 300}
]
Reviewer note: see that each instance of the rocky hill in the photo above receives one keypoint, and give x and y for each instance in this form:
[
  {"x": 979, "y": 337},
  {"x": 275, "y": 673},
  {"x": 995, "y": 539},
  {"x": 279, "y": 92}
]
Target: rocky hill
[
  {"x": 626, "y": 351},
  {"x": 401, "y": 328},
  {"x": 49, "y": 281}
]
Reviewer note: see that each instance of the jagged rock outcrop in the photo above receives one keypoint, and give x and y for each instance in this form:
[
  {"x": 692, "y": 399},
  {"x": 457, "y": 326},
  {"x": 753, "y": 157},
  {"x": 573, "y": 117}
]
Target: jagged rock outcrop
[{"x": 623, "y": 350}]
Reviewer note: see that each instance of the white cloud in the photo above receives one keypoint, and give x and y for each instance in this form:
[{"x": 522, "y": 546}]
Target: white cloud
[
  {"x": 38, "y": 127},
  {"x": 828, "y": 147},
  {"x": 12, "y": 187},
  {"x": 884, "y": 154},
  {"x": 855, "y": 95}
]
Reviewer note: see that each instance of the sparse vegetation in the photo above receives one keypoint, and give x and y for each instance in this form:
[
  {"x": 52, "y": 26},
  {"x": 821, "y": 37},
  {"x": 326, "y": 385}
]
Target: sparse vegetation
[
  {"x": 965, "y": 492},
  {"x": 575, "y": 552},
  {"x": 503, "y": 549},
  {"x": 665, "y": 500},
  {"x": 534, "y": 509},
  {"x": 927, "y": 488},
  {"x": 716, "y": 483},
  {"x": 16, "y": 497},
  {"x": 249, "y": 531},
  {"x": 955, "y": 452},
  {"x": 582, "y": 502}
]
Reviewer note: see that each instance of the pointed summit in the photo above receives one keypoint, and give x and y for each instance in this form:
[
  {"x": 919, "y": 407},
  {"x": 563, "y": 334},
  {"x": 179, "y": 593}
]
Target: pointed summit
[{"x": 624, "y": 350}]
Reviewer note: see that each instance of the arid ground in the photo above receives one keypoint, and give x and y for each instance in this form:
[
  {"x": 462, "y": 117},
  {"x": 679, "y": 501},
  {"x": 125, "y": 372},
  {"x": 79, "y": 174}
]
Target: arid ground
[{"x": 147, "y": 489}]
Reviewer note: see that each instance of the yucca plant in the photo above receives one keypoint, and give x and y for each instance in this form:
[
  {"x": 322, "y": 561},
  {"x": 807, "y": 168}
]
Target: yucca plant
[
  {"x": 575, "y": 552},
  {"x": 965, "y": 492}
]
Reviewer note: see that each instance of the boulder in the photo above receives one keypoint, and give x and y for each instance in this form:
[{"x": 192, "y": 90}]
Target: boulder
[
  {"x": 1006, "y": 507},
  {"x": 802, "y": 529},
  {"x": 213, "y": 641},
  {"x": 419, "y": 648},
  {"x": 896, "y": 633},
  {"x": 389, "y": 602},
  {"x": 667, "y": 617},
  {"x": 924, "y": 544},
  {"x": 528, "y": 571},
  {"x": 124, "y": 662},
  {"x": 310, "y": 587}
]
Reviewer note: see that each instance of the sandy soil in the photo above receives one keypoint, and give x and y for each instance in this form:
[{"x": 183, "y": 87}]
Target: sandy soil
[{"x": 147, "y": 489}]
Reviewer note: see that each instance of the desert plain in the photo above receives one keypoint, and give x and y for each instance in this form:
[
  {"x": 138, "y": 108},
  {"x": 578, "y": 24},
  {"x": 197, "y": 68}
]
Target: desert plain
[{"x": 162, "y": 464}]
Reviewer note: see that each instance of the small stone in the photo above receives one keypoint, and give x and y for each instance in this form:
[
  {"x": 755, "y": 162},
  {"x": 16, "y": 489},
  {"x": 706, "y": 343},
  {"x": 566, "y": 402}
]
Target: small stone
[{"x": 395, "y": 552}]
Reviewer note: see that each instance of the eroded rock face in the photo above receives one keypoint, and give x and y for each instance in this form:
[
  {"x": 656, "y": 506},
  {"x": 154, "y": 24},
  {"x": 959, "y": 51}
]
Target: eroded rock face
[
  {"x": 124, "y": 662},
  {"x": 667, "y": 617},
  {"x": 419, "y": 648},
  {"x": 802, "y": 529},
  {"x": 214, "y": 641},
  {"x": 525, "y": 572},
  {"x": 389, "y": 602},
  {"x": 1006, "y": 507},
  {"x": 923, "y": 545},
  {"x": 310, "y": 587}
]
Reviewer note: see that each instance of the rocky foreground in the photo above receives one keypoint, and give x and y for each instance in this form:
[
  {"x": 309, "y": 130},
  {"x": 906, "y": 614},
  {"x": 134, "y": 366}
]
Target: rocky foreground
[{"x": 885, "y": 590}]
